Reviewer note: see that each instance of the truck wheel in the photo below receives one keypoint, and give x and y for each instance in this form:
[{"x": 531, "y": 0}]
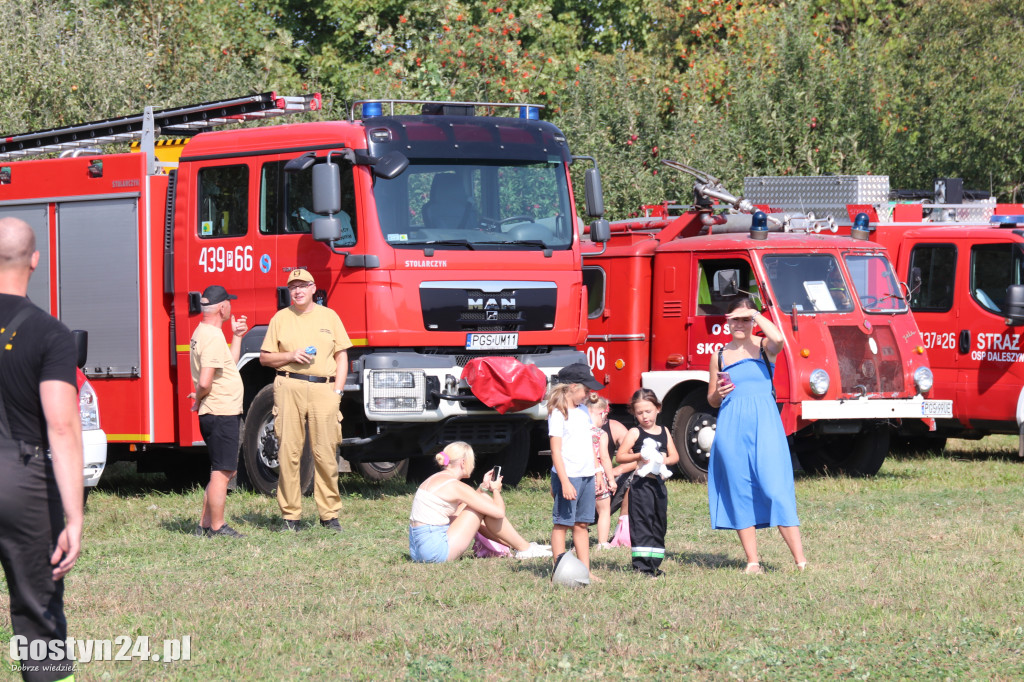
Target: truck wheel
[
  {"x": 693, "y": 430},
  {"x": 512, "y": 460},
  {"x": 382, "y": 471},
  {"x": 259, "y": 448},
  {"x": 860, "y": 455}
]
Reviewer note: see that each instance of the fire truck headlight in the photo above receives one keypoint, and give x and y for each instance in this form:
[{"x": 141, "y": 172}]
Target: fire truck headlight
[
  {"x": 87, "y": 408},
  {"x": 819, "y": 382},
  {"x": 923, "y": 379},
  {"x": 391, "y": 391}
]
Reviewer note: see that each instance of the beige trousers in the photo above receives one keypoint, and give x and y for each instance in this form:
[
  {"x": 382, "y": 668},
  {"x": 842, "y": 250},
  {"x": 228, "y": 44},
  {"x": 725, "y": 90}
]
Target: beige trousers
[{"x": 297, "y": 404}]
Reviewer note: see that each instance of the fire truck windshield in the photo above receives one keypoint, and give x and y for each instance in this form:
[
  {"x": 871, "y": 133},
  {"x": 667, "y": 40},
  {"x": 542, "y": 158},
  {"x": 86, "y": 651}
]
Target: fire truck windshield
[
  {"x": 875, "y": 283},
  {"x": 479, "y": 205},
  {"x": 808, "y": 282}
]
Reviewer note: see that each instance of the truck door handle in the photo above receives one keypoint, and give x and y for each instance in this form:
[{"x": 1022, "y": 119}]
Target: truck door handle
[
  {"x": 964, "y": 342},
  {"x": 194, "y": 305},
  {"x": 283, "y": 297}
]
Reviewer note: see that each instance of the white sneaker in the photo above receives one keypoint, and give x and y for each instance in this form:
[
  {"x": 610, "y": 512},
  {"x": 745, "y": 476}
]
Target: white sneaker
[{"x": 534, "y": 551}]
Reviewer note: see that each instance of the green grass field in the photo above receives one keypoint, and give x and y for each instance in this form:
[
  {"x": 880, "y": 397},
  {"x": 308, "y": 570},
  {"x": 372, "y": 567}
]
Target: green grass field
[{"x": 915, "y": 573}]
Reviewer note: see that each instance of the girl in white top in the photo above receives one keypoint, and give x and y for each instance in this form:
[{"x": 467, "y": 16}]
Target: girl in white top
[{"x": 447, "y": 514}]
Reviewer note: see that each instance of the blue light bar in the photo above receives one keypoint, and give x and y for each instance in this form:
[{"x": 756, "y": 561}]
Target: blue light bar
[
  {"x": 1007, "y": 219},
  {"x": 371, "y": 109}
]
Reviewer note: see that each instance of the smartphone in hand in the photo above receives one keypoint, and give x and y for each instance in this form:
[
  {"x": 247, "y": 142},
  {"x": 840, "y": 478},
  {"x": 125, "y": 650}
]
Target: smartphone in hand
[
  {"x": 724, "y": 378},
  {"x": 495, "y": 473}
]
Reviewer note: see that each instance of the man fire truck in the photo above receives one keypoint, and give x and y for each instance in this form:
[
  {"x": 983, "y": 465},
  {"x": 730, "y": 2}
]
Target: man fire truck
[
  {"x": 853, "y": 362},
  {"x": 962, "y": 255},
  {"x": 440, "y": 237}
]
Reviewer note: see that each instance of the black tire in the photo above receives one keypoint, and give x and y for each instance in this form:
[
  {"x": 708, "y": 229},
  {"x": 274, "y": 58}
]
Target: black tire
[
  {"x": 512, "y": 460},
  {"x": 858, "y": 455},
  {"x": 383, "y": 471},
  {"x": 693, "y": 429},
  {"x": 259, "y": 448}
]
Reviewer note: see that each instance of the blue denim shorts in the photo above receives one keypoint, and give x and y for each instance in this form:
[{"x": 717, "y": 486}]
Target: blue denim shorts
[
  {"x": 570, "y": 512},
  {"x": 428, "y": 544}
]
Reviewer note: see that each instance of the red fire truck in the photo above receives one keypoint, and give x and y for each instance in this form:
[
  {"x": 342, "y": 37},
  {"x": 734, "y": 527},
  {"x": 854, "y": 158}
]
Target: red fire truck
[
  {"x": 962, "y": 255},
  {"x": 442, "y": 237},
  {"x": 853, "y": 363}
]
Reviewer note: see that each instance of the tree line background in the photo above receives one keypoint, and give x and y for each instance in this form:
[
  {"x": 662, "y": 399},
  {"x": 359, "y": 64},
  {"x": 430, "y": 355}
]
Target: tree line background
[{"x": 913, "y": 89}]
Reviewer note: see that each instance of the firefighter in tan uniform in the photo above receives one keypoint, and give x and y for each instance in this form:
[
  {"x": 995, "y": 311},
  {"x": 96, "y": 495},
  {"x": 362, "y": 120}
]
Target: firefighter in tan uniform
[{"x": 308, "y": 346}]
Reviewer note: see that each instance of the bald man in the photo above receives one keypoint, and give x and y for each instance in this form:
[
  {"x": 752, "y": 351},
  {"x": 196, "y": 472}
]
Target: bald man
[{"x": 40, "y": 458}]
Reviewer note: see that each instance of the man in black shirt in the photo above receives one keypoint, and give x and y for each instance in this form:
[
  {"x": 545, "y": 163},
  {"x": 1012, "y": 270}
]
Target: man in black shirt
[{"x": 40, "y": 496}]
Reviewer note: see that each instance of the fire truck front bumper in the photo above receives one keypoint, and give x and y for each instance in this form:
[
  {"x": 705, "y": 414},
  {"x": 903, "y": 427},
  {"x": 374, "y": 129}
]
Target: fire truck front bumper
[
  {"x": 876, "y": 408},
  {"x": 94, "y": 451},
  {"x": 409, "y": 387}
]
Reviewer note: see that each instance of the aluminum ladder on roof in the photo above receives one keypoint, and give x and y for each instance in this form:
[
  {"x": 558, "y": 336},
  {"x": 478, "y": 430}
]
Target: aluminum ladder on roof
[{"x": 180, "y": 121}]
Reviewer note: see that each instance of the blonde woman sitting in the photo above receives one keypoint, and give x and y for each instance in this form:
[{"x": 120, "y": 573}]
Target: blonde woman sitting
[{"x": 447, "y": 514}]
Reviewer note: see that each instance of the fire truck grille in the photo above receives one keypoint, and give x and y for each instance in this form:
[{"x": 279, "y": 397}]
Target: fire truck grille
[
  {"x": 501, "y": 306},
  {"x": 862, "y": 371},
  {"x": 485, "y": 436}
]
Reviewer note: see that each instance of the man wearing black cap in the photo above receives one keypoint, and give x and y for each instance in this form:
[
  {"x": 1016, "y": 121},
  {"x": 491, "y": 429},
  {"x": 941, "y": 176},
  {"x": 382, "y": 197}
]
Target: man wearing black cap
[{"x": 218, "y": 399}]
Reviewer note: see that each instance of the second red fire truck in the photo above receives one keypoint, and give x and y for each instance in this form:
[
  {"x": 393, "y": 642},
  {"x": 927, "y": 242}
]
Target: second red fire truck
[
  {"x": 439, "y": 236},
  {"x": 962, "y": 257},
  {"x": 854, "y": 364}
]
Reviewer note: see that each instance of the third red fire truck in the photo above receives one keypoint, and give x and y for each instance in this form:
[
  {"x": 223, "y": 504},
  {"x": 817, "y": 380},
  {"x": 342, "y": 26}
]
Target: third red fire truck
[
  {"x": 441, "y": 237},
  {"x": 962, "y": 256},
  {"x": 853, "y": 365}
]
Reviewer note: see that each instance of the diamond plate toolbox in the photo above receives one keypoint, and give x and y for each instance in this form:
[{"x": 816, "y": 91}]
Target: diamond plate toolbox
[{"x": 821, "y": 195}]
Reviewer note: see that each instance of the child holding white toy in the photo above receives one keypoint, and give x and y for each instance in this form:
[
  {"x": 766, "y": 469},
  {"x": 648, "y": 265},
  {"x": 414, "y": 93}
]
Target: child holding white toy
[{"x": 654, "y": 451}]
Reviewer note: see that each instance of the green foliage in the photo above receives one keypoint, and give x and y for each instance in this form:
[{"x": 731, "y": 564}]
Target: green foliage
[
  {"x": 57, "y": 59},
  {"x": 915, "y": 89}
]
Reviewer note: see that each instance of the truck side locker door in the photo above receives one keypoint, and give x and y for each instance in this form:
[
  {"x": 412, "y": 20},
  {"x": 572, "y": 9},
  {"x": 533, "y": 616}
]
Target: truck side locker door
[
  {"x": 38, "y": 218},
  {"x": 935, "y": 303}
]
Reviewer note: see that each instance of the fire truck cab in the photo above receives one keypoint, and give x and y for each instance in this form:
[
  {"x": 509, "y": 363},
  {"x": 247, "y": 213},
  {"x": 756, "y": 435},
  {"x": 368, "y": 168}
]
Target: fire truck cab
[
  {"x": 853, "y": 362},
  {"x": 439, "y": 236},
  {"x": 962, "y": 257}
]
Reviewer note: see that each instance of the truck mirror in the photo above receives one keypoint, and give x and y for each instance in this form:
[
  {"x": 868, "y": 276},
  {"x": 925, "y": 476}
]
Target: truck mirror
[
  {"x": 1015, "y": 304},
  {"x": 600, "y": 231},
  {"x": 81, "y": 346},
  {"x": 326, "y": 188},
  {"x": 594, "y": 195},
  {"x": 391, "y": 165},
  {"x": 727, "y": 282},
  {"x": 327, "y": 229},
  {"x": 915, "y": 279},
  {"x": 300, "y": 163}
]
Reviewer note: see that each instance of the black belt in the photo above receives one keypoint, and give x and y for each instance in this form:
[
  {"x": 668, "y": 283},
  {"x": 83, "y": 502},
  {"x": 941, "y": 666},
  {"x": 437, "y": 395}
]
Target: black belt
[{"x": 305, "y": 377}]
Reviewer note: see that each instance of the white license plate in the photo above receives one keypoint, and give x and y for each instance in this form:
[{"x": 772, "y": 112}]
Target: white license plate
[
  {"x": 492, "y": 341},
  {"x": 937, "y": 408}
]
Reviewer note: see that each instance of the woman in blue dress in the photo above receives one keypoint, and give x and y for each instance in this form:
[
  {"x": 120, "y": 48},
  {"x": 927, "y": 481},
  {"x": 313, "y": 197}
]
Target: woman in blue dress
[{"x": 750, "y": 475}]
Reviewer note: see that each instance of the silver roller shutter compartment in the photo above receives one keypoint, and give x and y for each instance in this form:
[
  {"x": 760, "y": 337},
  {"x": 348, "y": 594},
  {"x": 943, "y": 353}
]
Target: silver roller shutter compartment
[{"x": 99, "y": 281}]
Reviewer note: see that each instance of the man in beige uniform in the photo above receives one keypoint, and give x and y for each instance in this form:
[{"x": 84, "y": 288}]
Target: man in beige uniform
[
  {"x": 218, "y": 399},
  {"x": 308, "y": 346}
]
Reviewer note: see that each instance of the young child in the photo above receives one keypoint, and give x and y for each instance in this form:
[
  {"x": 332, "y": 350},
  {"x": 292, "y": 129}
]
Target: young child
[
  {"x": 604, "y": 479},
  {"x": 651, "y": 446},
  {"x": 572, "y": 457}
]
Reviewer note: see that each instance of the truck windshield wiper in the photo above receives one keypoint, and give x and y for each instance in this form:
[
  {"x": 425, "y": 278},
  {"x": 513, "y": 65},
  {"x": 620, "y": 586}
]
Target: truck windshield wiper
[{"x": 446, "y": 242}]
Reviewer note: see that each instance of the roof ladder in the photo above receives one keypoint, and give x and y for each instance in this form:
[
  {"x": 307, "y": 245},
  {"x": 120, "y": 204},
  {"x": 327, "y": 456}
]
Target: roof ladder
[{"x": 147, "y": 126}]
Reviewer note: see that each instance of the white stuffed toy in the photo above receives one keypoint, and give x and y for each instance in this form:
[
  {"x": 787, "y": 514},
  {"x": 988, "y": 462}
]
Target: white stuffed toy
[{"x": 653, "y": 462}]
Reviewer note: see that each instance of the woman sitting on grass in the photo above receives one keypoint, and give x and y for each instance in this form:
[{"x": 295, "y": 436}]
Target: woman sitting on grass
[{"x": 447, "y": 514}]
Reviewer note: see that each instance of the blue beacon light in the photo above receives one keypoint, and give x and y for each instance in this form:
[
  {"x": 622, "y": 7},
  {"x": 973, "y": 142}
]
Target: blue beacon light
[
  {"x": 759, "y": 226},
  {"x": 371, "y": 109}
]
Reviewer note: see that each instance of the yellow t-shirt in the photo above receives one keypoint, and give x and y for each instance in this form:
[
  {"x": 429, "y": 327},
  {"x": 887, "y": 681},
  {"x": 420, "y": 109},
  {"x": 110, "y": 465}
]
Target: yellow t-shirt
[
  {"x": 319, "y": 326},
  {"x": 209, "y": 349}
]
